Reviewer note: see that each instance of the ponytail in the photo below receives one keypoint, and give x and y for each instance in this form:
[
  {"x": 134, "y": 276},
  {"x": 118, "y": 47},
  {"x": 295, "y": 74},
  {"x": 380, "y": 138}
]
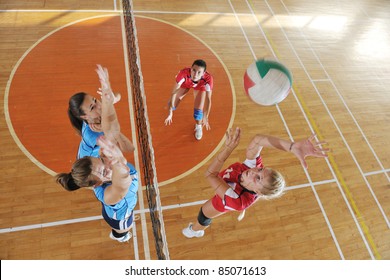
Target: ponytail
[
  {"x": 67, "y": 181},
  {"x": 75, "y": 112},
  {"x": 79, "y": 177}
]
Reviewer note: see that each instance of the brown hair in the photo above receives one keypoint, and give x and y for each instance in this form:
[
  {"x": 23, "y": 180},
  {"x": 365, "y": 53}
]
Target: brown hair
[
  {"x": 200, "y": 63},
  {"x": 79, "y": 177},
  {"x": 75, "y": 112}
]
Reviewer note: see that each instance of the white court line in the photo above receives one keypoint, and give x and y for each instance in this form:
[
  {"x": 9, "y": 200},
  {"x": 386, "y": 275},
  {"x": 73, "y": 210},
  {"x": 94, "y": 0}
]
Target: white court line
[
  {"x": 151, "y": 12},
  {"x": 8, "y": 119},
  {"x": 115, "y": 7},
  {"x": 376, "y": 172},
  {"x": 59, "y": 11},
  {"x": 334, "y": 121},
  {"x": 346, "y": 106},
  {"x": 134, "y": 140},
  {"x": 117, "y": 11},
  {"x": 286, "y": 126},
  {"x": 136, "y": 212},
  {"x": 52, "y": 224},
  {"x": 327, "y": 161},
  {"x": 135, "y": 239},
  {"x": 8, "y": 86},
  {"x": 134, "y": 230}
]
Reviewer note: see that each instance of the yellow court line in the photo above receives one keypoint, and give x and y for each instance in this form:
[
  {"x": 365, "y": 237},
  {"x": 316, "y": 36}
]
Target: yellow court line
[
  {"x": 340, "y": 177},
  {"x": 331, "y": 159}
]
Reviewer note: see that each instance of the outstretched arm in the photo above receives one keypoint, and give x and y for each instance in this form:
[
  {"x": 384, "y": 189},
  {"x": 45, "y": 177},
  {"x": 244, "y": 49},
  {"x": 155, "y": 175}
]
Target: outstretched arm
[
  {"x": 207, "y": 107},
  {"x": 110, "y": 123},
  {"x": 309, "y": 147},
  {"x": 121, "y": 178},
  {"x": 105, "y": 83},
  {"x": 168, "y": 120},
  {"x": 217, "y": 183},
  {"x": 301, "y": 149}
]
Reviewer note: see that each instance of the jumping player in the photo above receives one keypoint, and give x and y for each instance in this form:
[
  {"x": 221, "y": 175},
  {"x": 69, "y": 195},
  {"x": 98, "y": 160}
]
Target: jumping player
[
  {"x": 201, "y": 81},
  {"x": 242, "y": 184},
  {"x": 84, "y": 113},
  {"x": 112, "y": 179}
]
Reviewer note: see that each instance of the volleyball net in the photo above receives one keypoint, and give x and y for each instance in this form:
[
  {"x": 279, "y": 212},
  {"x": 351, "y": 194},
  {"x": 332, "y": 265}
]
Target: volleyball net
[{"x": 143, "y": 131}]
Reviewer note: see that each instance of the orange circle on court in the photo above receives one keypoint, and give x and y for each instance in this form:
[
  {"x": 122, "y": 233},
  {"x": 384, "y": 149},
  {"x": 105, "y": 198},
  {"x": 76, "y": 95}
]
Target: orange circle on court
[{"x": 63, "y": 63}]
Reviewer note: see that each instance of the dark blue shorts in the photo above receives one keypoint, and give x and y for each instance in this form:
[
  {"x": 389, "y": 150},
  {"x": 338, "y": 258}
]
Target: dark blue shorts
[{"x": 115, "y": 224}]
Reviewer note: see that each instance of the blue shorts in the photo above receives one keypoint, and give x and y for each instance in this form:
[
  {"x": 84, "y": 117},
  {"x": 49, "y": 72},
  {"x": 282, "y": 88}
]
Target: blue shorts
[{"x": 119, "y": 225}]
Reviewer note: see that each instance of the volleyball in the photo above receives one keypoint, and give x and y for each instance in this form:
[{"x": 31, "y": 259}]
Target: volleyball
[{"x": 267, "y": 82}]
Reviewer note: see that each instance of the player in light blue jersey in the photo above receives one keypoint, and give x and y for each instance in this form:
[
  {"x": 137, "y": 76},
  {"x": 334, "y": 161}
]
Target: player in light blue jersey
[
  {"x": 84, "y": 113},
  {"x": 113, "y": 180}
]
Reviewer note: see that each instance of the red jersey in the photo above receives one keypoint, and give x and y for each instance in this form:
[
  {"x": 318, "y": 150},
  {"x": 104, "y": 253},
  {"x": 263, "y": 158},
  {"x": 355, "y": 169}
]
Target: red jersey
[
  {"x": 183, "y": 78},
  {"x": 236, "y": 197}
]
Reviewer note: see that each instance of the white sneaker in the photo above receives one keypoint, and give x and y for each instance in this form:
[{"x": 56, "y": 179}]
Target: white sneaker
[
  {"x": 121, "y": 239},
  {"x": 189, "y": 232},
  {"x": 198, "y": 131}
]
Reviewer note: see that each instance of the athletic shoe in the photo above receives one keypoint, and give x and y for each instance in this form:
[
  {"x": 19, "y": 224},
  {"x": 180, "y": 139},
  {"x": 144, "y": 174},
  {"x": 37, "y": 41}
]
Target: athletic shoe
[
  {"x": 198, "y": 131},
  {"x": 121, "y": 239},
  {"x": 189, "y": 232}
]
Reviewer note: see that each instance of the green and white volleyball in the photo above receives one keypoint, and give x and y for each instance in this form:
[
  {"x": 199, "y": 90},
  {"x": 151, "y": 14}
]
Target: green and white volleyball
[{"x": 267, "y": 82}]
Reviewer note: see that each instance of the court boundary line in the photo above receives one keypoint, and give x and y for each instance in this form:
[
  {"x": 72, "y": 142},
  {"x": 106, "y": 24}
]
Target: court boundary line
[
  {"x": 141, "y": 211},
  {"x": 53, "y": 173},
  {"x": 221, "y": 143},
  {"x": 115, "y": 11},
  {"x": 7, "y": 89},
  {"x": 141, "y": 205},
  {"x": 362, "y": 228},
  {"x": 135, "y": 240},
  {"x": 161, "y": 225},
  {"x": 286, "y": 126},
  {"x": 305, "y": 113},
  {"x": 376, "y": 172},
  {"x": 365, "y": 174},
  {"x": 342, "y": 136},
  {"x": 349, "y": 112},
  {"x": 361, "y": 225},
  {"x": 351, "y": 115}
]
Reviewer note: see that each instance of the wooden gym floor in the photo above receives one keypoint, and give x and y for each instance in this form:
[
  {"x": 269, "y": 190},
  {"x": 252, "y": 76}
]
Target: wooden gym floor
[{"x": 338, "y": 52}]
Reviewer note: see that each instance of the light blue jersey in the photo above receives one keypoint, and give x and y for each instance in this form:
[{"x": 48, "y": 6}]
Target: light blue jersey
[
  {"x": 123, "y": 208},
  {"x": 88, "y": 145}
]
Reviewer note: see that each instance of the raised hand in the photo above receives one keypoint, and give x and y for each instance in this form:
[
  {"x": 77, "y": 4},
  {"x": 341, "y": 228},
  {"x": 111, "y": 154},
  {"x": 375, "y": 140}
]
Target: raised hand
[
  {"x": 168, "y": 120},
  {"x": 104, "y": 78},
  {"x": 105, "y": 86},
  {"x": 232, "y": 140},
  {"x": 116, "y": 95},
  {"x": 309, "y": 147},
  {"x": 205, "y": 123},
  {"x": 110, "y": 151}
]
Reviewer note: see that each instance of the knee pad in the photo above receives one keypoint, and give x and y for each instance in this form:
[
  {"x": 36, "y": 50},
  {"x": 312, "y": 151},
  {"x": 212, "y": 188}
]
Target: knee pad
[
  {"x": 198, "y": 114},
  {"x": 202, "y": 219}
]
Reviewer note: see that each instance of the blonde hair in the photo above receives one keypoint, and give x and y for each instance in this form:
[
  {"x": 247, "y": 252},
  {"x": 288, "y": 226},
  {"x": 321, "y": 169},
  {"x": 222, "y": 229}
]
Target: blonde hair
[{"x": 276, "y": 187}]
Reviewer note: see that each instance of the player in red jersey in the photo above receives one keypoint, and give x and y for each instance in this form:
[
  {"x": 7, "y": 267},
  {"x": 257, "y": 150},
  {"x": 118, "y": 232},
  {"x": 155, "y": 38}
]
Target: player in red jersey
[
  {"x": 201, "y": 81},
  {"x": 242, "y": 184}
]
